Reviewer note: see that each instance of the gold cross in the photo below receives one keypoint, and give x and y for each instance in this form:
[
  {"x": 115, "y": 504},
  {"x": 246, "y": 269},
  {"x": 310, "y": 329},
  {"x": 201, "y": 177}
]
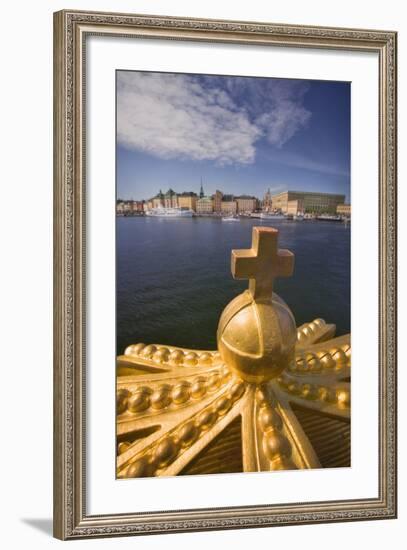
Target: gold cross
[{"x": 262, "y": 263}]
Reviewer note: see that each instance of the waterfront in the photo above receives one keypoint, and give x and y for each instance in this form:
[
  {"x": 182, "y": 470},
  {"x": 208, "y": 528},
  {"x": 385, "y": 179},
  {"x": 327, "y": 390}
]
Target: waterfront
[{"x": 174, "y": 279}]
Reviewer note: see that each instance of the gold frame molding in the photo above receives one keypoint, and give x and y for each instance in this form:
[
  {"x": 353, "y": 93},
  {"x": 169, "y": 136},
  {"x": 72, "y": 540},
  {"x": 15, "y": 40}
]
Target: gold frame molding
[{"x": 70, "y": 31}]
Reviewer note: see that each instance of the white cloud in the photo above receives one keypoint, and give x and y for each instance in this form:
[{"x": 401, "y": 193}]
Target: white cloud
[{"x": 209, "y": 118}]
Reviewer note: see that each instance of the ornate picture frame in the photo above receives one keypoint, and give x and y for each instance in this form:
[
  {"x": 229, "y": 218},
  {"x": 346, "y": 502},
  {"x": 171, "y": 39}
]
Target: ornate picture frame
[{"x": 71, "y": 30}]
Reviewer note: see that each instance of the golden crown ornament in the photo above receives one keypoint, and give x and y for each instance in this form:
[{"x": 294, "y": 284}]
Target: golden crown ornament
[{"x": 271, "y": 397}]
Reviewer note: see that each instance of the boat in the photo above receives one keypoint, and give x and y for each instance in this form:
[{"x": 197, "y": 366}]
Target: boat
[
  {"x": 298, "y": 217},
  {"x": 176, "y": 212},
  {"x": 329, "y": 218},
  {"x": 230, "y": 219},
  {"x": 270, "y": 216}
]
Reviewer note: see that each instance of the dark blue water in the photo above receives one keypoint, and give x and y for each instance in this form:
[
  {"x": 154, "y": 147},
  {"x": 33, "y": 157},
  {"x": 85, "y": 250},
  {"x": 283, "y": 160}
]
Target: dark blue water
[{"x": 174, "y": 278}]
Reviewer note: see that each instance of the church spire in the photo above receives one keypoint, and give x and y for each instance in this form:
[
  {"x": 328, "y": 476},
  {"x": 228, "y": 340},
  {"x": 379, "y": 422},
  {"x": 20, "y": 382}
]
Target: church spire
[{"x": 201, "y": 191}]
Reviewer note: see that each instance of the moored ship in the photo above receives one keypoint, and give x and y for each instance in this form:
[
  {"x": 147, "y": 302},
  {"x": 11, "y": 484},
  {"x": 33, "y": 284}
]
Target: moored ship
[
  {"x": 230, "y": 219},
  {"x": 329, "y": 218},
  {"x": 175, "y": 212},
  {"x": 270, "y": 216}
]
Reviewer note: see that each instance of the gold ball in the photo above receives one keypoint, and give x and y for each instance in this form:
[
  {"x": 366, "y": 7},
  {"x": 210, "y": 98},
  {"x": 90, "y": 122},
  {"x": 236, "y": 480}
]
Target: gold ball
[
  {"x": 206, "y": 419},
  {"x": 188, "y": 434},
  {"x": 261, "y": 396},
  {"x": 275, "y": 445},
  {"x": 327, "y": 362},
  {"x": 294, "y": 387},
  {"x": 161, "y": 355},
  {"x": 269, "y": 419},
  {"x": 307, "y": 331},
  {"x": 237, "y": 390},
  {"x": 191, "y": 359},
  {"x": 343, "y": 397},
  {"x": 134, "y": 349},
  {"x": 148, "y": 351},
  {"x": 121, "y": 400},
  {"x": 312, "y": 360},
  {"x": 309, "y": 391},
  {"x": 198, "y": 388},
  {"x": 300, "y": 336},
  {"x": 161, "y": 397},
  {"x": 213, "y": 381},
  {"x": 330, "y": 396},
  {"x": 205, "y": 358},
  {"x": 122, "y": 447},
  {"x": 339, "y": 357},
  {"x": 176, "y": 357},
  {"x": 223, "y": 405},
  {"x": 138, "y": 468},
  {"x": 348, "y": 351},
  {"x": 283, "y": 463},
  {"x": 257, "y": 339},
  {"x": 225, "y": 373},
  {"x": 180, "y": 393},
  {"x": 165, "y": 452},
  {"x": 139, "y": 400}
]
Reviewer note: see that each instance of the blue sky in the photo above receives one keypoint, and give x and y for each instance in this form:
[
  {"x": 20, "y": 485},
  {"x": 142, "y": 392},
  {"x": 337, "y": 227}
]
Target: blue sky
[{"x": 242, "y": 135}]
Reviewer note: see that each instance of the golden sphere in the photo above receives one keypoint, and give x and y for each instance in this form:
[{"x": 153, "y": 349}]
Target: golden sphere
[
  {"x": 283, "y": 463},
  {"x": 276, "y": 445},
  {"x": 222, "y": 405},
  {"x": 121, "y": 400},
  {"x": 140, "y": 400},
  {"x": 269, "y": 419},
  {"x": 191, "y": 359},
  {"x": 180, "y": 393},
  {"x": 206, "y": 419},
  {"x": 257, "y": 339},
  {"x": 161, "y": 355},
  {"x": 213, "y": 382},
  {"x": 166, "y": 451},
  {"x": 161, "y": 398},
  {"x": 205, "y": 358},
  {"x": 237, "y": 390},
  {"x": 188, "y": 434},
  {"x": 176, "y": 357},
  {"x": 122, "y": 447},
  {"x": 139, "y": 468},
  {"x": 343, "y": 397},
  {"x": 198, "y": 388},
  {"x": 149, "y": 350},
  {"x": 134, "y": 349},
  {"x": 310, "y": 391}
]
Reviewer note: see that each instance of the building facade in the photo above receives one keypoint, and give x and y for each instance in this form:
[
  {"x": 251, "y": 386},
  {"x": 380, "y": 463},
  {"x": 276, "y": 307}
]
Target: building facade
[
  {"x": 170, "y": 199},
  {"x": 343, "y": 210},
  {"x": 295, "y": 207},
  {"x": 246, "y": 204},
  {"x": 187, "y": 200},
  {"x": 228, "y": 205},
  {"x": 217, "y": 201},
  {"x": 157, "y": 201},
  {"x": 204, "y": 205},
  {"x": 312, "y": 202}
]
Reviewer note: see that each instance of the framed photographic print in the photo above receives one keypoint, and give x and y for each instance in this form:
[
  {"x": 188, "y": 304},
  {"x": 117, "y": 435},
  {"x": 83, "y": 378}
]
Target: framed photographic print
[{"x": 225, "y": 257}]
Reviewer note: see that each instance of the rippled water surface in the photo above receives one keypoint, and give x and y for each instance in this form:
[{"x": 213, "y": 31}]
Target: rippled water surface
[{"x": 174, "y": 278}]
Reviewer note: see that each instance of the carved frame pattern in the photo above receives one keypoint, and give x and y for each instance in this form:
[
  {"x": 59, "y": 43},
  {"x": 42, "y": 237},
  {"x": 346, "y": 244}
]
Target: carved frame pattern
[{"x": 70, "y": 31}]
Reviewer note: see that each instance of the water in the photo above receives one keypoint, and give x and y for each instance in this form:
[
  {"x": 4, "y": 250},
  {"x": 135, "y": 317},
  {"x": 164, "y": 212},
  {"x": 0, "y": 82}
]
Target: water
[{"x": 174, "y": 278}]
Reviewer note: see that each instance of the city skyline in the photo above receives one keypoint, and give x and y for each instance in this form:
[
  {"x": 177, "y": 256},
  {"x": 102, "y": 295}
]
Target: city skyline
[{"x": 241, "y": 135}]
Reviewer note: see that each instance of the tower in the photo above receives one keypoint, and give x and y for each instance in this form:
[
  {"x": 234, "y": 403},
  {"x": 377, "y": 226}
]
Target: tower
[
  {"x": 267, "y": 201},
  {"x": 201, "y": 191}
]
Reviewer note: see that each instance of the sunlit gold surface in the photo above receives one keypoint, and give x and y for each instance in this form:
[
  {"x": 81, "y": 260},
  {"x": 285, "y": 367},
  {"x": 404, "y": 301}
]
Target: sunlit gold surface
[{"x": 172, "y": 403}]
